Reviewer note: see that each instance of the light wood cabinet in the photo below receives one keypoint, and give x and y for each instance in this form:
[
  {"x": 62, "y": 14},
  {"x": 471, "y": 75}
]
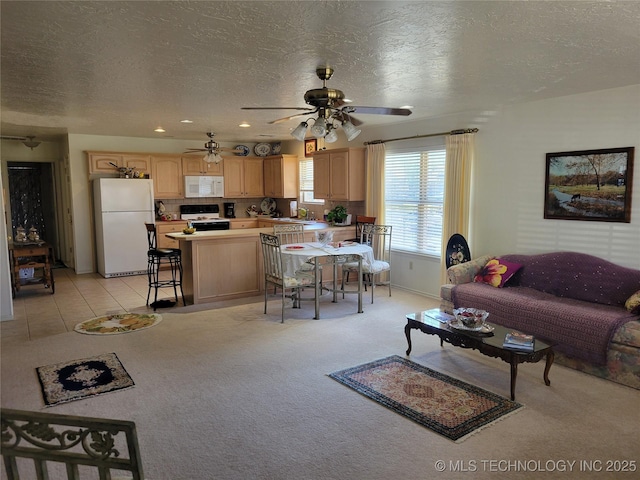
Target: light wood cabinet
[
  {"x": 195, "y": 165},
  {"x": 281, "y": 178},
  {"x": 243, "y": 223},
  {"x": 103, "y": 162},
  {"x": 166, "y": 172},
  {"x": 339, "y": 174},
  {"x": 162, "y": 228},
  {"x": 243, "y": 177}
]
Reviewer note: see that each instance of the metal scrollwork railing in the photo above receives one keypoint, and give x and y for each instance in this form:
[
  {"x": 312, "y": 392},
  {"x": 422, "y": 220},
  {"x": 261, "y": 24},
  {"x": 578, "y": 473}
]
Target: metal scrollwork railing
[{"x": 69, "y": 439}]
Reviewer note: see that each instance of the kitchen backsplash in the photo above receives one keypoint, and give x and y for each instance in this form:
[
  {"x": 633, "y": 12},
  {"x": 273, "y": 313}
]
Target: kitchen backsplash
[{"x": 172, "y": 206}]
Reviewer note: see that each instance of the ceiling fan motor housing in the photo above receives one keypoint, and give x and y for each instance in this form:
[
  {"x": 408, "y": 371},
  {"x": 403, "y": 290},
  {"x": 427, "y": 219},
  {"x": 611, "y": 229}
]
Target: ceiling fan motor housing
[{"x": 323, "y": 97}]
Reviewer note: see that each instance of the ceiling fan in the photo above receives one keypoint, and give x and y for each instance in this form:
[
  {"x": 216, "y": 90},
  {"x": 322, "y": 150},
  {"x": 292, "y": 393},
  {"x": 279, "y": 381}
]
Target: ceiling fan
[
  {"x": 28, "y": 141},
  {"x": 213, "y": 150},
  {"x": 332, "y": 109}
]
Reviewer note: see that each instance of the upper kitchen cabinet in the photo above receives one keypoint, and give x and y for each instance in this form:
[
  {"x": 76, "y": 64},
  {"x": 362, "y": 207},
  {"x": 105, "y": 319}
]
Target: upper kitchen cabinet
[
  {"x": 243, "y": 177},
  {"x": 110, "y": 162},
  {"x": 195, "y": 165},
  {"x": 166, "y": 172},
  {"x": 339, "y": 174},
  {"x": 281, "y": 178}
]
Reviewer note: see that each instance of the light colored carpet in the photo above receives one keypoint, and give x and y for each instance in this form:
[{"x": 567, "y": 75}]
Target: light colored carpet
[{"x": 230, "y": 393}]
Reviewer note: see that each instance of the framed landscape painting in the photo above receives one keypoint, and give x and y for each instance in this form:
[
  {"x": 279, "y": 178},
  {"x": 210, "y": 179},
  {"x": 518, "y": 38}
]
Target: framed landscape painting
[{"x": 589, "y": 185}]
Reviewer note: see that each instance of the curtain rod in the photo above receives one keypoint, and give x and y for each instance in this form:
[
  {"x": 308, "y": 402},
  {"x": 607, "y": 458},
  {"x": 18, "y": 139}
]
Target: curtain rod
[{"x": 452, "y": 132}]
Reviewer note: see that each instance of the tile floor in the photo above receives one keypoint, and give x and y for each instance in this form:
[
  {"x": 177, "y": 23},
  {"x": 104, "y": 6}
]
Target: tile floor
[{"x": 37, "y": 313}]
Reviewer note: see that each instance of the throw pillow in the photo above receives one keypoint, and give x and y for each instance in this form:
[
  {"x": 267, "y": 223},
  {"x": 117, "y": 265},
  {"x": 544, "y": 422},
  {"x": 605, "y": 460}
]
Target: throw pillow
[
  {"x": 633, "y": 303},
  {"x": 497, "y": 272}
]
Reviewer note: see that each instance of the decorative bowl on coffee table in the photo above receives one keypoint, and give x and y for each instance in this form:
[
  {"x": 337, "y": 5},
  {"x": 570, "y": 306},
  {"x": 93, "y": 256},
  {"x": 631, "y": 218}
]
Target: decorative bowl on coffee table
[{"x": 470, "y": 317}]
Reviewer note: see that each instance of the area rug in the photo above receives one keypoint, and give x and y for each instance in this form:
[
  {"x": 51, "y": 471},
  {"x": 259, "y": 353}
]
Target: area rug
[
  {"x": 118, "y": 323},
  {"x": 76, "y": 379},
  {"x": 446, "y": 405}
]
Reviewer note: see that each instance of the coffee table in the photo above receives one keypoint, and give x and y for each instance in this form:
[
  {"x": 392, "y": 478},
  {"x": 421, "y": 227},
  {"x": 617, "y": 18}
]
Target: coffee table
[{"x": 487, "y": 344}]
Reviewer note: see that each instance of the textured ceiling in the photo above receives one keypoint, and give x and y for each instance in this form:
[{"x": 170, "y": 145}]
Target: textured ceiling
[{"x": 124, "y": 68}]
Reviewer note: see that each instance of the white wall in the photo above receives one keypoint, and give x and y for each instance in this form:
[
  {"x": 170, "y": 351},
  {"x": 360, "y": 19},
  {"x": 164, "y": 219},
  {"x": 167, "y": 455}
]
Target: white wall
[{"x": 508, "y": 178}]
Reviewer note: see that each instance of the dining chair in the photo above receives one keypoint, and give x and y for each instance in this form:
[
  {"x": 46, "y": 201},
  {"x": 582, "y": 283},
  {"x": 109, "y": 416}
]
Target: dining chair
[
  {"x": 275, "y": 274},
  {"x": 34, "y": 441},
  {"x": 294, "y": 233},
  {"x": 379, "y": 238},
  {"x": 361, "y": 221},
  {"x": 156, "y": 259}
]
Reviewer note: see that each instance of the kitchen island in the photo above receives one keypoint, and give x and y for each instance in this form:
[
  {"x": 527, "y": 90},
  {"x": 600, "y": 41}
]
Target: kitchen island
[{"x": 227, "y": 264}]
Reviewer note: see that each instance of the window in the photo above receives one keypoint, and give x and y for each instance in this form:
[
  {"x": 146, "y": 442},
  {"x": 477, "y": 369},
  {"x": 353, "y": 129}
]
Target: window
[
  {"x": 306, "y": 182},
  {"x": 414, "y": 198}
]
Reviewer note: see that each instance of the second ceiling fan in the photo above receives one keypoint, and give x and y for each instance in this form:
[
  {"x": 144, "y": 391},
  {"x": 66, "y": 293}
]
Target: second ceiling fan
[
  {"x": 213, "y": 150},
  {"x": 332, "y": 110}
]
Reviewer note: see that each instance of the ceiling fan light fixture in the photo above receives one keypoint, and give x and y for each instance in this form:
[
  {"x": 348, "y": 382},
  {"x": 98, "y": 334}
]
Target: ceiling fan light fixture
[
  {"x": 350, "y": 131},
  {"x": 300, "y": 131},
  {"x": 30, "y": 142},
  {"x": 212, "y": 158},
  {"x": 331, "y": 136},
  {"x": 319, "y": 128}
]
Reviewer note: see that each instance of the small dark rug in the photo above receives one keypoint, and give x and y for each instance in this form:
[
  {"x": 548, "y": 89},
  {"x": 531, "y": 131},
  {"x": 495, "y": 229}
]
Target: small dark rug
[
  {"x": 76, "y": 379},
  {"x": 446, "y": 405}
]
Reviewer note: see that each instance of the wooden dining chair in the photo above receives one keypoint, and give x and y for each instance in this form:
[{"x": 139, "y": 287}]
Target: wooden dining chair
[
  {"x": 379, "y": 238},
  {"x": 275, "y": 273}
]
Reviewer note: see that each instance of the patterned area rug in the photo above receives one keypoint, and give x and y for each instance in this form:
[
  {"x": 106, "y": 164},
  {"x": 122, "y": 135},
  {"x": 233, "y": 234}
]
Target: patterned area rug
[
  {"x": 69, "y": 381},
  {"x": 444, "y": 404},
  {"x": 119, "y": 323}
]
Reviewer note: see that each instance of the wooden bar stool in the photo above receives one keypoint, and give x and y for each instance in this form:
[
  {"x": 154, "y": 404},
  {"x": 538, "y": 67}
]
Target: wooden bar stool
[{"x": 156, "y": 259}]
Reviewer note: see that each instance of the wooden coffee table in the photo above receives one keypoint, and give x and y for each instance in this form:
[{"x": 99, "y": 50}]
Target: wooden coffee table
[{"x": 487, "y": 344}]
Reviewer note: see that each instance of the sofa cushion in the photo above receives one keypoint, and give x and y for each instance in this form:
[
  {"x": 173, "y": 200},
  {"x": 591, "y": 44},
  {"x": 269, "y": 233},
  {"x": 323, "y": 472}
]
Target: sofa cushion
[
  {"x": 497, "y": 272},
  {"x": 633, "y": 303},
  {"x": 465, "y": 272},
  {"x": 576, "y": 275},
  {"x": 581, "y": 329}
]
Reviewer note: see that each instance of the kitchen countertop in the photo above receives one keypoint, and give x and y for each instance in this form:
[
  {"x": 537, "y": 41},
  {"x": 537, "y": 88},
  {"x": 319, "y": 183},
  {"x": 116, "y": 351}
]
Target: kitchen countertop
[{"x": 245, "y": 232}]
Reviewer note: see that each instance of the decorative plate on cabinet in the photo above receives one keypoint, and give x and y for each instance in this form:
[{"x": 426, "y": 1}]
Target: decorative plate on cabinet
[
  {"x": 262, "y": 149},
  {"x": 276, "y": 148},
  {"x": 245, "y": 150}
]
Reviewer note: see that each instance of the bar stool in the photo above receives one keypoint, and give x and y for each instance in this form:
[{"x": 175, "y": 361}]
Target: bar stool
[{"x": 156, "y": 258}]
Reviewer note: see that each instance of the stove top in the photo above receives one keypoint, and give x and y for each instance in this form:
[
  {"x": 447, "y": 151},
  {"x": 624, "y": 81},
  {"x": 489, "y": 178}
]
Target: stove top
[
  {"x": 200, "y": 212},
  {"x": 201, "y": 217}
]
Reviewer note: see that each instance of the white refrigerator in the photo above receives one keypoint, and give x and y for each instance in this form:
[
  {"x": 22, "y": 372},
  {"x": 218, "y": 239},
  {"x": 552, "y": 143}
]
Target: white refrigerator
[{"x": 122, "y": 206}]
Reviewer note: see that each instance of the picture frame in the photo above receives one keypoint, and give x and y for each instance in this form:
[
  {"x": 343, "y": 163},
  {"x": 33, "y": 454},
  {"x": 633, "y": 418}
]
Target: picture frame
[
  {"x": 590, "y": 185},
  {"x": 310, "y": 147}
]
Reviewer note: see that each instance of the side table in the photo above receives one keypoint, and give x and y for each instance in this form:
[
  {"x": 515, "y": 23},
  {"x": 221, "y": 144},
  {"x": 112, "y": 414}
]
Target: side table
[{"x": 31, "y": 255}]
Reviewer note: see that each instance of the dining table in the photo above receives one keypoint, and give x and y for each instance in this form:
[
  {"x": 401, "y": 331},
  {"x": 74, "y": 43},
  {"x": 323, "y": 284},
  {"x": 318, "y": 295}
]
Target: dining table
[{"x": 295, "y": 255}]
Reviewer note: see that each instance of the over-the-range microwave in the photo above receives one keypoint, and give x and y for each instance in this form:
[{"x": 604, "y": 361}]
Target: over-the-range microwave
[{"x": 203, "y": 186}]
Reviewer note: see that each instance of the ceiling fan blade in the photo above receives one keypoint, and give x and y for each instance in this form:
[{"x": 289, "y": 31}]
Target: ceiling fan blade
[
  {"x": 380, "y": 110},
  {"x": 284, "y": 119},
  {"x": 231, "y": 150},
  {"x": 276, "y": 108},
  {"x": 195, "y": 150}
]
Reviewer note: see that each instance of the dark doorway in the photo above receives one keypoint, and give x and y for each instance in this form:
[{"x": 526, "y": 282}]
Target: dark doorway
[{"x": 32, "y": 199}]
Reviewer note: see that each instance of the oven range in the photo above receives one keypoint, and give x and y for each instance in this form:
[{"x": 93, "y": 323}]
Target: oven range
[{"x": 204, "y": 217}]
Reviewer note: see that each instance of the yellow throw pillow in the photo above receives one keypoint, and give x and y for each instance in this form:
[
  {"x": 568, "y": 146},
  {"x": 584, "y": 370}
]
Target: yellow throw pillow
[{"x": 633, "y": 303}]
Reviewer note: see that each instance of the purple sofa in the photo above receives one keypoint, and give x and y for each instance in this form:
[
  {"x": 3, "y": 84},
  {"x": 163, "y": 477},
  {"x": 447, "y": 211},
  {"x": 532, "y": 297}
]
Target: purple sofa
[{"x": 574, "y": 300}]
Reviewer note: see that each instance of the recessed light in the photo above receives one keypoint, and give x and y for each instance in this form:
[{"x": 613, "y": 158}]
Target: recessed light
[
  {"x": 186, "y": 121},
  {"x": 159, "y": 130},
  {"x": 244, "y": 125},
  {"x": 347, "y": 100},
  {"x": 407, "y": 106}
]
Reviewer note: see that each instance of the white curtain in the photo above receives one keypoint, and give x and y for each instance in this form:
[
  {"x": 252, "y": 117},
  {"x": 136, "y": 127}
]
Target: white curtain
[
  {"x": 374, "y": 203},
  {"x": 457, "y": 193}
]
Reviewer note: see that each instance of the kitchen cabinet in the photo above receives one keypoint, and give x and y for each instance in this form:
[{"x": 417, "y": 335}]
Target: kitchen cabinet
[
  {"x": 243, "y": 223},
  {"x": 103, "y": 162},
  {"x": 281, "y": 178},
  {"x": 243, "y": 177},
  {"x": 339, "y": 174},
  {"x": 195, "y": 165},
  {"x": 162, "y": 228},
  {"x": 166, "y": 172}
]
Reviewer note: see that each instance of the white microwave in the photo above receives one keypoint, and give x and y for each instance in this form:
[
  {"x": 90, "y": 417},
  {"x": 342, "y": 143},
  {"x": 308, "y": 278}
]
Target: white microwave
[{"x": 198, "y": 186}]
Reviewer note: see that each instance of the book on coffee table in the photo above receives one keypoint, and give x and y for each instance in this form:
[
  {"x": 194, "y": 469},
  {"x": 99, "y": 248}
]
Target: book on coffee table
[
  {"x": 436, "y": 313},
  {"x": 519, "y": 341}
]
